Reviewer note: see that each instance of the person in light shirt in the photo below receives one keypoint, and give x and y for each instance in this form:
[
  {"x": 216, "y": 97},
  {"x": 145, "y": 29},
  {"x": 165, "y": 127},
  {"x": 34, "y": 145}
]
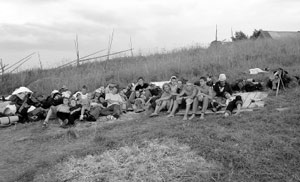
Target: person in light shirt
[{"x": 114, "y": 101}]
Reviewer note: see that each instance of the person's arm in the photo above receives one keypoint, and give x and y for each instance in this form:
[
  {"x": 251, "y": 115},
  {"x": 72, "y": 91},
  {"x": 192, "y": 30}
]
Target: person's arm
[
  {"x": 164, "y": 97},
  {"x": 193, "y": 94},
  {"x": 181, "y": 94}
]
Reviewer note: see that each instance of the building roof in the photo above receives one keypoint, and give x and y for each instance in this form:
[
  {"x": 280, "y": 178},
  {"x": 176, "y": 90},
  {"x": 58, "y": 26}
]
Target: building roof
[{"x": 279, "y": 35}]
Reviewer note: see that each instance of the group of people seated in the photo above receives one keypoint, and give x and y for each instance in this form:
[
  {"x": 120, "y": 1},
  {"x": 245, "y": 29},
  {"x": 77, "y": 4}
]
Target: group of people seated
[{"x": 112, "y": 101}]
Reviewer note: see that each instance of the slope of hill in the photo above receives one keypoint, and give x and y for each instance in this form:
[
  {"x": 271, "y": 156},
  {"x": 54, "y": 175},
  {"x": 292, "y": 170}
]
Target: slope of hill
[{"x": 234, "y": 59}]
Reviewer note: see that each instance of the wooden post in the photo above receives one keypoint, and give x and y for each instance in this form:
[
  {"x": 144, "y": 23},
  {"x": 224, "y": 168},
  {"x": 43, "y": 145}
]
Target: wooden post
[
  {"x": 131, "y": 47},
  {"x": 109, "y": 44},
  {"x": 2, "y": 69},
  {"x": 77, "y": 50},
  {"x": 40, "y": 61}
]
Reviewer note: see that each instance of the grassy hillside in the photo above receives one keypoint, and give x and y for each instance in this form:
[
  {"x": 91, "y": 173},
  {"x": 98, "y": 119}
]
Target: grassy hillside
[{"x": 234, "y": 59}]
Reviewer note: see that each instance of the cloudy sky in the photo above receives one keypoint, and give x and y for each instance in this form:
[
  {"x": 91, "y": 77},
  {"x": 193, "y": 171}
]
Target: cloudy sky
[{"x": 50, "y": 26}]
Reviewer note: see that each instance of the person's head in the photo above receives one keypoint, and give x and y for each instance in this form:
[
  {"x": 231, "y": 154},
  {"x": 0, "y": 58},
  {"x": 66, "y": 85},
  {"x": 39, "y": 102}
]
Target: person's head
[
  {"x": 179, "y": 84},
  {"x": 102, "y": 89},
  {"x": 114, "y": 90},
  {"x": 84, "y": 89},
  {"x": 64, "y": 88},
  {"x": 203, "y": 81},
  {"x": 72, "y": 102},
  {"x": 65, "y": 100},
  {"x": 189, "y": 85},
  {"x": 101, "y": 100},
  {"x": 97, "y": 94},
  {"x": 222, "y": 79},
  {"x": 166, "y": 87},
  {"x": 173, "y": 79},
  {"x": 141, "y": 81},
  {"x": 56, "y": 96},
  {"x": 137, "y": 93}
]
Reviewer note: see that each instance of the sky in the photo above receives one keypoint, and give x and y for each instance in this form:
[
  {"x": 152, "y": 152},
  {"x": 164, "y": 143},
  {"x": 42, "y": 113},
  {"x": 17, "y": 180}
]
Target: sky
[{"x": 49, "y": 27}]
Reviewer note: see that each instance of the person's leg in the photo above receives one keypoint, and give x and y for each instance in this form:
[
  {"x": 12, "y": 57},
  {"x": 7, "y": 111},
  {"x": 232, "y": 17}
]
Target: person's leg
[
  {"x": 171, "y": 103},
  {"x": 147, "y": 94},
  {"x": 106, "y": 111},
  {"x": 204, "y": 107},
  {"x": 116, "y": 110},
  {"x": 96, "y": 112},
  {"x": 238, "y": 103},
  {"x": 51, "y": 112},
  {"x": 195, "y": 107},
  {"x": 187, "y": 109},
  {"x": 156, "y": 110},
  {"x": 73, "y": 117},
  {"x": 175, "y": 106},
  {"x": 82, "y": 113},
  {"x": 130, "y": 101},
  {"x": 162, "y": 106}
]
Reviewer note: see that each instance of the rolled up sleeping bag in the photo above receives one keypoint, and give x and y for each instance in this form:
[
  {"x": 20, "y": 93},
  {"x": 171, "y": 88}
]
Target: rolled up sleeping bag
[{"x": 8, "y": 120}]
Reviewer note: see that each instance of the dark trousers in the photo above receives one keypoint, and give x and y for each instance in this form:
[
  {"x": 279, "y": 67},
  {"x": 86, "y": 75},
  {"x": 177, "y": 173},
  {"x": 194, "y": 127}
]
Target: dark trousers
[
  {"x": 114, "y": 110},
  {"x": 233, "y": 104},
  {"x": 73, "y": 117}
]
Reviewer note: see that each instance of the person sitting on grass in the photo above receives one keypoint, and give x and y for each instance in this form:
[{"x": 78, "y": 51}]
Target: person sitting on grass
[
  {"x": 204, "y": 95},
  {"x": 114, "y": 101},
  {"x": 75, "y": 111},
  {"x": 188, "y": 94},
  {"x": 139, "y": 102},
  {"x": 174, "y": 89},
  {"x": 52, "y": 103},
  {"x": 164, "y": 101},
  {"x": 85, "y": 101},
  {"x": 222, "y": 92},
  {"x": 222, "y": 89},
  {"x": 141, "y": 86},
  {"x": 63, "y": 112}
]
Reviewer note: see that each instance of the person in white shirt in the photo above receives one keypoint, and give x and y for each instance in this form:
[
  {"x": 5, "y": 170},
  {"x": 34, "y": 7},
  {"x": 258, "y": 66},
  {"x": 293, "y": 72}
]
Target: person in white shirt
[{"x": 115, "y": 102}]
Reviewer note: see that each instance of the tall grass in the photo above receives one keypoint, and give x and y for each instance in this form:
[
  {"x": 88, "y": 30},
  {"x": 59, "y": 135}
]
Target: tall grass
[{"x": 233, "y": 59}]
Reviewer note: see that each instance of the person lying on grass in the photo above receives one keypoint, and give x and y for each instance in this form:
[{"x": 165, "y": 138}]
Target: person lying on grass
[
  {"x": 222, "y": 89},
  {"x": 165, "y": 101},
  {"x": 204, "y": 95},
  {"x": 63, "y": 112},
  {"x": 114, "y": 101},
  {"x": 188, "y": 94}
]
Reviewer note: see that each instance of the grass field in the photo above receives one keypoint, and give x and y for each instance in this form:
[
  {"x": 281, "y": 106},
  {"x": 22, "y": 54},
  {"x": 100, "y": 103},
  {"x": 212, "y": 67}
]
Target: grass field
[{"x": 263, "y": 145}]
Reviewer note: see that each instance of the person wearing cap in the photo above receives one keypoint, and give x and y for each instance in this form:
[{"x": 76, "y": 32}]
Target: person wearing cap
[
  {"x": 205, "y": 94},
  {"x": 188, "y": 94},
  {"x": 223, "y": 90}
]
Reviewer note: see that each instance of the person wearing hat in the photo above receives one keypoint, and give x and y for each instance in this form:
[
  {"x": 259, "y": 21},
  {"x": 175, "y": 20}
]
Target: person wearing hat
[
  {"x": 223, "y": 90},
  {"x": 188, "y": 94}
]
